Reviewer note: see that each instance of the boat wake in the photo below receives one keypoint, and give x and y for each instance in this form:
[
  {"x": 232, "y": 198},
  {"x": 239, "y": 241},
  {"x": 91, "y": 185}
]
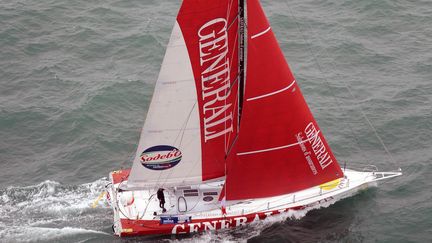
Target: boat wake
[
  {"x": 50, "y": 211},
  {"x": 42, "y": 234}
]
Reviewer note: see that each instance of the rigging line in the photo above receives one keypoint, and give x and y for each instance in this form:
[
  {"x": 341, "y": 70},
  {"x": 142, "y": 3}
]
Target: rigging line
[
  {"x": 229, "y": 11},
  {"x": 233, "y": 83},
  {"x": 229, "y": 147},
  {"x": 327, "y": 83},
  {"x": 232, "y": 22},
  {"x": 355, "y": 100},
  {"x": 365, "y": 116},
  {"x": 181, "y": 134},
  {"x": 349, "y": 90},
  {"x": 182, "y": 130},
  {"x": 186, "y": 122},
  {"x": 226, "y": 146},
  {"x": 228, "y": 15},
  {"x": 197, "y": 163}
]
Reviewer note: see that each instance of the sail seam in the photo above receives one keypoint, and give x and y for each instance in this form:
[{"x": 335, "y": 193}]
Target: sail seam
[
  {"x": 272, "y": 93},
  {"x": 261, "y": 33},
  {"x": 280, "y": 147}
]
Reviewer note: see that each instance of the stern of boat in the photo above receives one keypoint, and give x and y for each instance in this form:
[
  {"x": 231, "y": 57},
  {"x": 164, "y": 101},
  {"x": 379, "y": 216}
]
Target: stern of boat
[{"x": 116, "y": 178}]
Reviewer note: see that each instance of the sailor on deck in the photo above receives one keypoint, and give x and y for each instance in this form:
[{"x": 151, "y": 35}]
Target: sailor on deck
[{"x": 161, "y": 197}]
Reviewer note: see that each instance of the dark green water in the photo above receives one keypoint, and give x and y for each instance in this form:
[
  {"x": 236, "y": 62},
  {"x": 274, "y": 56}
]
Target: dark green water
[{"x": 76, "y": 78}]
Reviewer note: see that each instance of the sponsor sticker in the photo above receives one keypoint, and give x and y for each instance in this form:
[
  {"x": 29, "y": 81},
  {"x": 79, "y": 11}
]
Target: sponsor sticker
[
  {"x": 207, "y": 198},
  {"x": 160, "y": 157}
]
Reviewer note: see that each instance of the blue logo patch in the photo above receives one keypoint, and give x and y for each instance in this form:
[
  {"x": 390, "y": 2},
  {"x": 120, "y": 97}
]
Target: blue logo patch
[{"x": 160, "y": 157}]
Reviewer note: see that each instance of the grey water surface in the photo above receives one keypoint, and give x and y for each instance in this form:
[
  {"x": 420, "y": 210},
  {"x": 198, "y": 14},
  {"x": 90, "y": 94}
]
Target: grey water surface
[{"x": 76, "y": 79}]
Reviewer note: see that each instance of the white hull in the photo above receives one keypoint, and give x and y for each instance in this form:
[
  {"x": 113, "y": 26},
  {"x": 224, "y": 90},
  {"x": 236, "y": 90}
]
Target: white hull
[{"x": 196, "y": 208}]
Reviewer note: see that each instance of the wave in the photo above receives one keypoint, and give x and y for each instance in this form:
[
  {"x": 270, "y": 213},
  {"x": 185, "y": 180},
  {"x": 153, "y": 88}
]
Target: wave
[
  {"x": 42, "y": 234},
  {"x": 51, "y": 211}
]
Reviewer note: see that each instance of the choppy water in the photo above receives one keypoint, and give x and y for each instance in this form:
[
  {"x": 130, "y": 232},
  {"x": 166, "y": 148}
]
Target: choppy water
[{"x": 77, "y": 76}]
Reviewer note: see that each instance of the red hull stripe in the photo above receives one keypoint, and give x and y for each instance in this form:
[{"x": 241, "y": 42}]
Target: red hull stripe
[{"x": 154, "y": 227}]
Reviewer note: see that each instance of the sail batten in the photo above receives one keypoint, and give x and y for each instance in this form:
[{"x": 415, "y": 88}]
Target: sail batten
[
  {"x": 261, "y": 33},
  {"x": 280, "y": 147},
  {"x": 272, "y": 93}
]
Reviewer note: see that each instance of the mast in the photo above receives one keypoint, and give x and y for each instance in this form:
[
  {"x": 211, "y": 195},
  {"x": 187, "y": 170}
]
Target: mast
[{"x": 241, "y": 55}]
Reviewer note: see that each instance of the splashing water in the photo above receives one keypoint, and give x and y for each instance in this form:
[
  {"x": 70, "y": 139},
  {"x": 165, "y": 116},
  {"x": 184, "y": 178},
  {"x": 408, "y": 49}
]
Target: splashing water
[{"x": 52, "y": 211}]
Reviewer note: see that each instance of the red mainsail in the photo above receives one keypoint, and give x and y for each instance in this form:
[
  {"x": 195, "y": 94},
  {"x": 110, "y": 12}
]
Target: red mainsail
[
  {"x": 280, "y": 148},
  {"x": 210, "y": 30}
]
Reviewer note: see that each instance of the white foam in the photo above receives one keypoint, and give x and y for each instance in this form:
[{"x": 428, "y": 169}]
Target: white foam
[
  {"x": 32, "y": 234},
  {"x": 50, "y": 211},
  {"x": 209, "y": 236}
]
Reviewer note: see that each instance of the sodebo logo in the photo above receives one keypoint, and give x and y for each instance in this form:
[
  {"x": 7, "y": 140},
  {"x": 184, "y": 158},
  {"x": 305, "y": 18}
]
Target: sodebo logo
[{"x": 160, "y": 157}]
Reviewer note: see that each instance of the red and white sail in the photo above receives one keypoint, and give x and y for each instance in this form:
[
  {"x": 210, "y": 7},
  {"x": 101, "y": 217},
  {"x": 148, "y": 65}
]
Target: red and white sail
[
  {"x": 280, "y": 148},
  {"x": 210, "y": 29},
  {"x": 192, "y": 118}
]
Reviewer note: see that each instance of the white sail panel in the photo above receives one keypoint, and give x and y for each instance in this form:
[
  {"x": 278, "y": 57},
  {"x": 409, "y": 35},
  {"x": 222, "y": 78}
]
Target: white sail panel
[{"x": 170, "y": 138}]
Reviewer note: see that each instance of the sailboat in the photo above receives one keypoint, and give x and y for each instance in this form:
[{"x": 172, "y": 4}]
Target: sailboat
[{"x": 228, "y": 139}]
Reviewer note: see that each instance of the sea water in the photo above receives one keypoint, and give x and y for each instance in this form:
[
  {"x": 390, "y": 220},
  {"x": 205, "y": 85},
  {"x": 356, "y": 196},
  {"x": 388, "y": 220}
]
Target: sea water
[{"x": 76, "y": 79}]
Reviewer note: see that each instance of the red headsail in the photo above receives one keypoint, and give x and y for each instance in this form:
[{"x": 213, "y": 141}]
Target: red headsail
[{"x": 280, "y": 148}]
